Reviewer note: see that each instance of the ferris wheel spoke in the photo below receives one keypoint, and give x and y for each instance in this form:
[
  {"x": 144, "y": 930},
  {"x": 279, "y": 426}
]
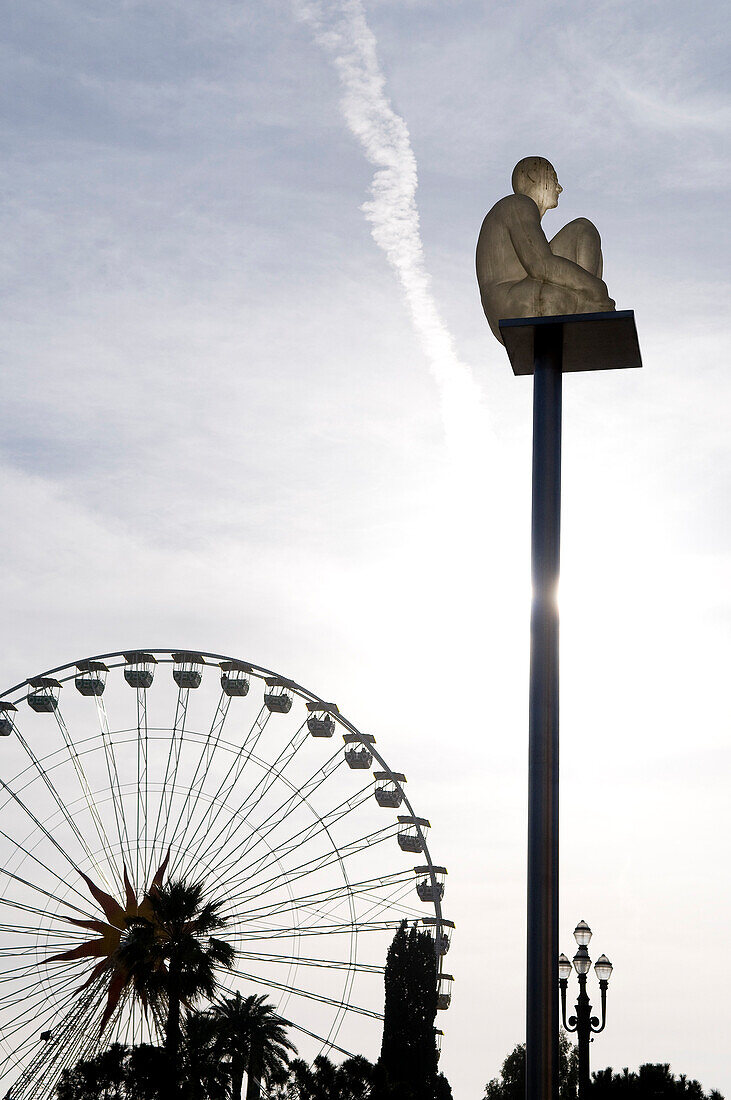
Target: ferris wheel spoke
[
  {"x": 341, "y": 1004},
  {"x": 62, "y": 851},
  {"x": 325, "y": 910},
  {"x": 164, "y": 807},
  {"x": 278, "y": 767},
  {"x": 83, "y": 1043},
  {"x": 395, "y": 901},
  {"x": 232, "y": 829},
  {"x": 284, "y": 987},
  {"x": 267, "y": 780},
  {"x": 129, "y": 1022},
  {"x": 202, "y": 832},
  {"x": 27, "y": 907},
  {"x": 327, "y": 964},
  {"x": 239, "y": 820},
  {"x": 142, "y": 782},
  {"x": 59, "y": 802},
  {"x": 19, "y": 930},
  {"x": 389, "y": 900},
  {"x": 276, "y": 816},
  {"x": 34, "y": 858},
  {"x": 91, "y": 806},
  {"x": 207, "y": 753},
  {"x": 366, "y": 884},
  {"x": 114, "y": 784},
  {"x": 14, "y": 1060},
  {"x": 321, "y": 896},
  {"x": 23, "y": 950},
  {"x": 41, "y": 929},
  {"x": 43, "y": 1072},
  {"x": 54, "y": 874},
  {"x": 297, "y": 841},
  {"x": 14, "y": 1057},
  {"x": 19, "y": 973},
  {"x": 308, "y": 916},
  {"x": 319, "y": 862},
  {"x": 312, "y": 1035},
  {"x": 257, "y": 835},
  {"x": 299, "y": 795},
  {"x": 37, "y": 994},
  {"x": 365, "y": 892},
  {"x": 335, "y": 929}
]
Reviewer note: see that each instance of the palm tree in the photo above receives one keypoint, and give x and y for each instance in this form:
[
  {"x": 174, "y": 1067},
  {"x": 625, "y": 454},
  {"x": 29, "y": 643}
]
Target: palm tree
[
  {"x": 254, "y": 1040},
  {"x": 119, "y": 1073},
  {"x": 171, "y": 957},
  {"x": 323, "y": 1080},
  {"x": 206, "y": 1073}
]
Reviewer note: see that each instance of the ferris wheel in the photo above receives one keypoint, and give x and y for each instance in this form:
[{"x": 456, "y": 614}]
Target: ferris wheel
[{"x": 120, "y": 770}]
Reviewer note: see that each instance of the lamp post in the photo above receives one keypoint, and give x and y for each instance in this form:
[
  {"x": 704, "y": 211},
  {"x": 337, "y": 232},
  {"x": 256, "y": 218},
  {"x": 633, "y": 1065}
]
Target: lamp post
[{"x": 583, "y": 1023}]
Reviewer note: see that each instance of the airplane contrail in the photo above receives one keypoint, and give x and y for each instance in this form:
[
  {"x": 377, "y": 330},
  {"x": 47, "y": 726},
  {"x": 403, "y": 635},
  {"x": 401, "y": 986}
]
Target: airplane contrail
[{"x": 341, "y": 29}]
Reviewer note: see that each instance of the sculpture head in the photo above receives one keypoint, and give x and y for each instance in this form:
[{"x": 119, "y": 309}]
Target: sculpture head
[{"x": 536, "y": 177}]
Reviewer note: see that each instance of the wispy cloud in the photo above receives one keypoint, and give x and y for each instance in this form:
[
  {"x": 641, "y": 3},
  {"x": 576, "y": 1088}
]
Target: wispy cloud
[{"x": 341, "y": 28}]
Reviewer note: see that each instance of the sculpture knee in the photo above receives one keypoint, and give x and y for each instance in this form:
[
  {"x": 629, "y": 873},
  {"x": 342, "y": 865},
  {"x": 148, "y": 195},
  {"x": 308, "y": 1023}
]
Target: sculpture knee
[
  {"x": 585, "y": 224},
  {"x": 579, "y": 241},
  {"x": 587, "y": 231},
  {"x": 579, "y": 230}
]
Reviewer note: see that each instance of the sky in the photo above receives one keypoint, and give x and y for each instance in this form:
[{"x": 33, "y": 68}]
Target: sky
[{"x": 250, "y": 405}]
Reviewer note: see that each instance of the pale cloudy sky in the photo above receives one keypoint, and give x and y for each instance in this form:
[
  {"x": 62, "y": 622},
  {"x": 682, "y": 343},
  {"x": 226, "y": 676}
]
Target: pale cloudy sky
[{"x": 243, "y": 413}]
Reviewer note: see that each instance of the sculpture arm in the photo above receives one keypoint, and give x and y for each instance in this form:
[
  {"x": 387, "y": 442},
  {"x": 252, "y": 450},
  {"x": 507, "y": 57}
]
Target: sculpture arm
[{"x": 534, "y": 253}]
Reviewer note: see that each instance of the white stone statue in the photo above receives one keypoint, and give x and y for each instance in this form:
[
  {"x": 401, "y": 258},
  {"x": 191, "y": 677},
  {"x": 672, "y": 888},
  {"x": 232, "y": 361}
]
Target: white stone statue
[{"x": 521, "y": 273}]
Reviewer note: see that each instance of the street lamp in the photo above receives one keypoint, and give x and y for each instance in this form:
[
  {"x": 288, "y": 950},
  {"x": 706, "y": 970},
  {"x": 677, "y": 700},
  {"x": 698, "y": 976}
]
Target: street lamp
[{"x": 583, "y": 1023}]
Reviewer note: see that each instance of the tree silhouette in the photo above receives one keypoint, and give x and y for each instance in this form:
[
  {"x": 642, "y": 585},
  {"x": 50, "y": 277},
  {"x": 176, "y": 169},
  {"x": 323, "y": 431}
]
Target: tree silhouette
[
  {"x": 651, "y": 1082},
  {"x": 172, "y": 957},
  {"x": 205, "y": 1075},
  {"x": 253, "y": 1039},
  {"x": 408, "y": 1065},
  {"x": 511, "y": 1083},
  {"x": 118, "y": 1073},
  {"x": 323, "y": 1080}
]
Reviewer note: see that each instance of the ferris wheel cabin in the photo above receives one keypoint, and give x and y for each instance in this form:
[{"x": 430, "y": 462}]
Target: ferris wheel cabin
[
  {"x": 7, "y": 725},
  {"x": 358, "y": 758},
  {"x": 140, "y": 669},
  {"x": 277, "y": 697},
  {"x": 446, "y": 928},
  {"x": 91, "y": 678},
  {"x": 235, "y": 678},
  {"x": 444, "y": 994},
  {"x": 320, "y": 721},
  {"x": 187, "y": 669},
  {"x": 43, "y": 699},
  {"x": 412, "y": 833},
  {"x": 430, "y": 883},
  {"x": 388, "y": 790}
]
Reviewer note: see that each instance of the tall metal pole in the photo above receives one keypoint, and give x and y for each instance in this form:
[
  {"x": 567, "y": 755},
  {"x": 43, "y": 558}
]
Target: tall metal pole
[{"x": 542, "y": 973}]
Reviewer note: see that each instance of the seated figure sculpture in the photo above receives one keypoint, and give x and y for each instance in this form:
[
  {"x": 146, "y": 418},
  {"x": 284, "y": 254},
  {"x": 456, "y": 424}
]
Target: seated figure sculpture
[{"x": 521, "y": 273}]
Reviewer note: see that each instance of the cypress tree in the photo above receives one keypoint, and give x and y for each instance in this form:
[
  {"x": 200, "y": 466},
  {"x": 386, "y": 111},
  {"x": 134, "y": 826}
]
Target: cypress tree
[{"x": 407, "y": 1067}]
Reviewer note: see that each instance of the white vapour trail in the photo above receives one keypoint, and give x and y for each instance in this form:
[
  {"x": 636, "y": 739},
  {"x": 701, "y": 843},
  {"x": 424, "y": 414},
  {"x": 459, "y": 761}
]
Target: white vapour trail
[{"x": 340, "y": 27}]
